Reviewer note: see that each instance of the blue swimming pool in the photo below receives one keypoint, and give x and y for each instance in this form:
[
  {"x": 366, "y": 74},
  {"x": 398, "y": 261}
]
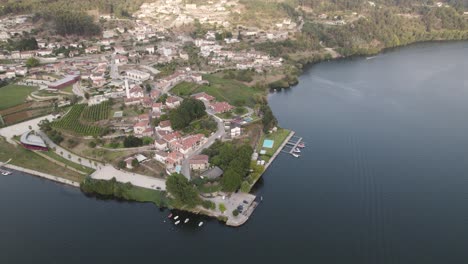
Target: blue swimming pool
[{"x": 268, "y": 143}]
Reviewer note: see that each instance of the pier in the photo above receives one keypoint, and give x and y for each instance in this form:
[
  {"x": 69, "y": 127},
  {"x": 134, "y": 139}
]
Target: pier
[{"x": 292, "y": 144}]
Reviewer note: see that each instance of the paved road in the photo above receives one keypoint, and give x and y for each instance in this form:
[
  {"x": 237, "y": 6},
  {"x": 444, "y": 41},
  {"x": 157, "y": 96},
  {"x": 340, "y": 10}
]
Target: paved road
[
  {"x": 108, "y": 172},
  {"x": 217, "y": 135}
]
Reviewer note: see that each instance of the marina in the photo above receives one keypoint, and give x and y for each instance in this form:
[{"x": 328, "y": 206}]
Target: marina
[{"x": 293, "y": 146}]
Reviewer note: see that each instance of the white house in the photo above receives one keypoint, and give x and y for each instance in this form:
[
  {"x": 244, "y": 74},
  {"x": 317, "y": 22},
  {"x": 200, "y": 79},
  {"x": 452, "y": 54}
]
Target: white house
[
  {"x": 137, "y": 75},
  {"x": 161, "y": 156}
]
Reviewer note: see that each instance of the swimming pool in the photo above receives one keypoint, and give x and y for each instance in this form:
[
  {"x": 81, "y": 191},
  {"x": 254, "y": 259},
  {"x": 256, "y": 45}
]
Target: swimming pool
[{"x": 268, "y": 143}]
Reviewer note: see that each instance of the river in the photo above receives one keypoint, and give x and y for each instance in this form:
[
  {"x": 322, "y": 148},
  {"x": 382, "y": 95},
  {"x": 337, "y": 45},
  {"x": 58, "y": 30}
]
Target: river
[{"x": 384, "y": 179}]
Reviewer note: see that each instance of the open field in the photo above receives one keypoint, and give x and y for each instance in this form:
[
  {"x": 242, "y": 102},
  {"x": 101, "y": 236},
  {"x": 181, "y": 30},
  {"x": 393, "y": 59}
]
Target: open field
[
  {"x": 28, "y": 159},
  {"x": 232, "y": 91},
  {"x": 13, "y": 95}
]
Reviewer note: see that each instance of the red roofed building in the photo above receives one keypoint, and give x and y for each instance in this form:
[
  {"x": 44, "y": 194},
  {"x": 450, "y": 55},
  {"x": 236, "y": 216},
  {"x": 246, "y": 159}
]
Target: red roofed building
[
  {"x": 199, "y": 162},
  {"x": 142, "y": 129},
  {"x": 157, "y": 107},
  {"x": 173, "y": 159},
  {"x": 155, "y": 94},
  {"x": 221, "y": 107},
  {"x": 187, "y": 144},
  {"x": 171, "y": 136},
  {"x": 136, "y": 92},
  {"x": 203, "y": 97},
  {"x": 172, "y": 102},
  {"x": 165, "y": 125}
]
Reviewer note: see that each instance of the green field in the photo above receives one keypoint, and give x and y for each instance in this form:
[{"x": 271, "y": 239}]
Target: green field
[
  {"x": 13, "y": 95},
  {"x": 30, "y": 160},
  {"x": 232, "y": 91},
  {"x": 278, "y": 136},
  {"x": 69, "y": 163}
]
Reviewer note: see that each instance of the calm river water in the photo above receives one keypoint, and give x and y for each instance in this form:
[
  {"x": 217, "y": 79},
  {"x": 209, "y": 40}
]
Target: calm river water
[{"x": 384, "y": 179}]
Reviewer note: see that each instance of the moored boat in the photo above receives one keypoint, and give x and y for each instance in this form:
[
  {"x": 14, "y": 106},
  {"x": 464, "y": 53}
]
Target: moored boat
[
  {"x": 200, "y": 224},
  {"x": 186, "y": 221},
  {"x": 169, "y": 216},
  {"x": 295, "y": 155},
  {"x": 176, "y": 217},
  {"x": 297, "y": 150},
  {"x": 301, "y": 145},
  {"x": 177, "y": 222}
]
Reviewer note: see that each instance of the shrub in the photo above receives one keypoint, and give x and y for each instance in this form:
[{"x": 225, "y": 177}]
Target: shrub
[{"x": 235, "y": 212}]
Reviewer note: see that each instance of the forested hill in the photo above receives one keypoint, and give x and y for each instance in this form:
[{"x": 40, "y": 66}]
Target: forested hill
[{"x": 368, "y": 26}]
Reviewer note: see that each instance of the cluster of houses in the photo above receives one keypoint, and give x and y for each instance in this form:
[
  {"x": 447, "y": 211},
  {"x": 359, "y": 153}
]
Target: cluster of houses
[
  {"x": 220, "y": 56},
  {"x": 175, "y": 13}
]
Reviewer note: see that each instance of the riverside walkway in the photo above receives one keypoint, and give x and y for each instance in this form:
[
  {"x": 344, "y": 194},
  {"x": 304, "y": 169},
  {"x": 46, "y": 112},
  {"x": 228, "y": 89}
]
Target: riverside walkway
[{"x": 108, "y": 172}]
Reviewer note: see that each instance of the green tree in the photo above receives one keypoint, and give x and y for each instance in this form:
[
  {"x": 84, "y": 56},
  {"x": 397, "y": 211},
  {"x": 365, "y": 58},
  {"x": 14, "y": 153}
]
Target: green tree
[
  {"x": 222, "y": 208},
  {"x": 135, "y": 163},
  {"x": 231, "y": 180},
  {"x": 32, "y": 62},
  {"x": 184, "y": 193}
]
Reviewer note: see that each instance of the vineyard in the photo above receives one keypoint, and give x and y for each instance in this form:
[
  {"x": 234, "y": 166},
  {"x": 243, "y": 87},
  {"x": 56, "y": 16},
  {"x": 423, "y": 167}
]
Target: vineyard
[
  {"x": 70, "y": 122},
  {"x": 96, "y": 112}
]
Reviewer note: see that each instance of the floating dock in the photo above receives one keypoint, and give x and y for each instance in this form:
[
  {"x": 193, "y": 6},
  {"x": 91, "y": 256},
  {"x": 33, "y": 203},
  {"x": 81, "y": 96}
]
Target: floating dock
[{"x": 292, "y": 144}]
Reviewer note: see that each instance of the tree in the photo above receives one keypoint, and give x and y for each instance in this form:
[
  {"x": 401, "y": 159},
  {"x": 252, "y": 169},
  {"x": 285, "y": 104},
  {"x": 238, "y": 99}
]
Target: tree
[
  {"x": 184, "y": 193},
  {"x": 32, "y": 62},
  {"x": 231, "y": 180},
  {"x": 235, "y": 212},
  {"x": 132, "y": 141},
  {"x": 222, "y": 208},
  {"x": 189, "y": 110},
  {"x": 86, "y": 95},
  {"x": 148, "y": 87},
  {"x": 135, "y": 163}
]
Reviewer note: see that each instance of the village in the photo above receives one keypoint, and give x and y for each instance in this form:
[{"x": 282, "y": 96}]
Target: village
[{"x": 117, "y": 95}]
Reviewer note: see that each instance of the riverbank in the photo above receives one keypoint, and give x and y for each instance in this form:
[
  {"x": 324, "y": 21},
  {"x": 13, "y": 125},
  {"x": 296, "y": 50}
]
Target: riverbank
[
  {"x": 293, "y": 80},
  {"x": 43, "y": 175}
]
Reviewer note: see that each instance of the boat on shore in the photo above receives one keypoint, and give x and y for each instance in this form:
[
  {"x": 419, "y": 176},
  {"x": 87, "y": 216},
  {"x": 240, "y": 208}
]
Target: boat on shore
[{"x": 4, "y": 172}]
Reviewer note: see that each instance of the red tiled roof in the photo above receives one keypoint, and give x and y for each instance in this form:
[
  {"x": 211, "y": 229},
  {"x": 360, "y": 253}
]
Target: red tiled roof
[
  {"x": 199, "y": 159},
  {"x": 165, "y": 123}
]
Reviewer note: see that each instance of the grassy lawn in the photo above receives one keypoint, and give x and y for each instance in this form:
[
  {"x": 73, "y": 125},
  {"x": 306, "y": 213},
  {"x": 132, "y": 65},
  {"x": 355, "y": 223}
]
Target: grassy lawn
[
  {"x": 278, "y": 136},
  {"x": 184, "y": 89},
  {"x": 68, "y": 89},
  {"x": 232, "y": 91},
  {"x": 227, "y": 115},
  {"x": 28, "y": 159},
  {"x": 13, "y": 94},
  {"x": 69, "y": 163}
]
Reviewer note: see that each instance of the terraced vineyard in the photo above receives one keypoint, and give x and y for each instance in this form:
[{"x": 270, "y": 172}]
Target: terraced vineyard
[
  {"x": 71, "y": 123},
  {"x": 96, "y": 112}
]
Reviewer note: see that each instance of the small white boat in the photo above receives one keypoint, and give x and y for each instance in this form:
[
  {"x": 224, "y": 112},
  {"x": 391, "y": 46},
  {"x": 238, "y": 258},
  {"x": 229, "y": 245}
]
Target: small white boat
[
  {"x": 261, "y": 198},
  {"x": 176, "y": 217},
  {"x": 178, "y": 221},
  {"x": 295, "y": 155},
  {"x": 186, "y": 221},
  {"x": 200, "y": 224},
  {"x": 296, "y": 150}
]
